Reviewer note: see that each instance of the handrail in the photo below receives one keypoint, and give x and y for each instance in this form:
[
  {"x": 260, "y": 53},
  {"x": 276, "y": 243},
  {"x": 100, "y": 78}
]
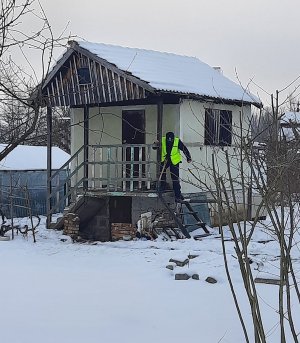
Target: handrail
[
  {"x": 66, "y": 164},
  {"x": 72, "y": 191}
]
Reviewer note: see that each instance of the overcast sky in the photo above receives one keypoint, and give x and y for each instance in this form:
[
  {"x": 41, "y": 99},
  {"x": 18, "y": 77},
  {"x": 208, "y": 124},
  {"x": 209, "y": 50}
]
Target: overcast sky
[{"x": 258, "y": 39}]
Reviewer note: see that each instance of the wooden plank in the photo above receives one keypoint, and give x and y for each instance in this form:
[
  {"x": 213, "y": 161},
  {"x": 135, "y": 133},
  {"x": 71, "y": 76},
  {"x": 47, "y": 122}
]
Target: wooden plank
[
  {"x": 116, "y": 169},
  {"x": 114, "y": 85},
  {"x": 97, "y": 84},
  {"x": 128, "y": 88},
  {"x": 53, "y": 93},
  {"x": 140, "y": 166},
  {"x": 132, "y": 89},
  {"x": 268, "y": 281},
  {"x": 108, "y": 168},
  {"x": 108, "y": 85},
  {"x": 148, "y": 175},
  {"x": 160, "y": 108},
  {"x": 50, "y": 101},
  {"x": 68, "y": 93},
  {"x": 102, "y": 81},
  {"x": 124, "y": 169},
  {"x": 73, "y": 83},
  {"x": 118, "y": 87},
  {"x": 131, "y": 167},
  {"x": 62, "y": 89},
  {"x": 86, "y": 145},
  {"x": 58, "y": 92},
  {"x": 77, "y": 87},
  {"x": 125, "y": 89},
  {"x": 101, "y": 168}
]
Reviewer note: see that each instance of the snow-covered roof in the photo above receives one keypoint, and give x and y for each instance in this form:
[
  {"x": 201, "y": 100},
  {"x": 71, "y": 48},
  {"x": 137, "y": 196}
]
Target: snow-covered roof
[
  {"x": 25, "y": 157},
  {"x": 170, "y": 72},
  {"x": 291, "y": 116}
]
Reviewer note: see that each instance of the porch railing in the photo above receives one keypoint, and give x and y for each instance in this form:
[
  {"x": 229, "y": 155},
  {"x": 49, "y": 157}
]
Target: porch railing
[{"x": 107, "y": 168}]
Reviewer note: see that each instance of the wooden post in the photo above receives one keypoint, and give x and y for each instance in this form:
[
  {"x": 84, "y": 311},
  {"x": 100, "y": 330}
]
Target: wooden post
[
  {"x": 28, "y": 205},
  {"x": 160, "y": 105},
  {"x": 86, "y": 146},
  {"x": 49, "y": 165},
  {"x": 11, "y": 206}
]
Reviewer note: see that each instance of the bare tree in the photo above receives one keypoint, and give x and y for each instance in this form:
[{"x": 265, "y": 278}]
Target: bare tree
[
  {"x": 271, "y": 173},
  {"x": 25, "y": 34}
]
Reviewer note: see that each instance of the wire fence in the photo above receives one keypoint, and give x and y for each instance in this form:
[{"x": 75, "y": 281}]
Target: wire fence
[{"x": 12, "y": 185}]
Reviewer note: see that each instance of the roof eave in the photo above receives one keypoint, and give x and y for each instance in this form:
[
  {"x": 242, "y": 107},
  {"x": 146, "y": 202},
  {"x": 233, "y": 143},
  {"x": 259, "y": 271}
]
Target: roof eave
[{"x": 205, "y": 98}]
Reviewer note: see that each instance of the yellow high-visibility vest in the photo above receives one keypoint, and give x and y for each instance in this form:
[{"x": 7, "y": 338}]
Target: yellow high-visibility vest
[{"x": 175, "y": 152}]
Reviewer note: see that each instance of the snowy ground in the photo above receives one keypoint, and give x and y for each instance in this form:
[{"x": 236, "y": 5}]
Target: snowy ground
[{"x": 57, "y": 291}]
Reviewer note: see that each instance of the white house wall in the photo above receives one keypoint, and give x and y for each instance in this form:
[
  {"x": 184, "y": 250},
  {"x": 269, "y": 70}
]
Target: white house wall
[{"x": 192, "y": 119}]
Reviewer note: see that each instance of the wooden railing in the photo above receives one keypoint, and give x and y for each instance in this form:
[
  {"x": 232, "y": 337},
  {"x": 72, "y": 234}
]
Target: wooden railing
[
  {"x": 108, "y": 168},
  {"x": 121, "y": 167}
]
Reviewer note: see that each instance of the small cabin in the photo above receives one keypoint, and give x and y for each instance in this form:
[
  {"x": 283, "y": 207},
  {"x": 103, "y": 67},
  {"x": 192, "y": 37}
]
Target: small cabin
[{"x": 121, "y": 101}]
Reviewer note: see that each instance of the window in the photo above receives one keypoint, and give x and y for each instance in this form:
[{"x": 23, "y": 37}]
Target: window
[
  {"x": 84, "y": 76},
  {"x": 218, "y": 127}
]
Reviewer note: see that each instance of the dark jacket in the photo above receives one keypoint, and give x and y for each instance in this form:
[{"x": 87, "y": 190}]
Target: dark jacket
[{"x": 169, "y": 142}]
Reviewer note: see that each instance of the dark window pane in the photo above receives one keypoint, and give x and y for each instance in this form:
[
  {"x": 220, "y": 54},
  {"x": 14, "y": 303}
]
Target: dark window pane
[
  {"x": 210, "y": 127},
  {"x": 225, "y": 133},
  {"x": 84, "y": 76}
]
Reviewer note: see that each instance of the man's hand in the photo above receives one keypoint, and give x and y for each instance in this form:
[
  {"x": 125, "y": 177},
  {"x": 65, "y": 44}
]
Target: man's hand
[
  {"x": 155, "y": 145},
  {"x": 189, "y": 160}
]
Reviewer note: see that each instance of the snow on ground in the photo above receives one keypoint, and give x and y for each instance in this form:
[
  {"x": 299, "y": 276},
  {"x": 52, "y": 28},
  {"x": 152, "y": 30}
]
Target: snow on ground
[{"x": 57, "y": 291}]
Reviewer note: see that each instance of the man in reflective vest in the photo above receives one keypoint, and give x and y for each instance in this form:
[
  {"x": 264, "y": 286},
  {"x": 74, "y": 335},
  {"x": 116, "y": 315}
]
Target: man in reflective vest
[{"x": 170, "y": 158}]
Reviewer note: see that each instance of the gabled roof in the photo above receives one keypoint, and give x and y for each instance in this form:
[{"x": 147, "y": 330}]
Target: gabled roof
[
  {"x": 170, "y": 72},
  {"x": 120, "y": 74}
]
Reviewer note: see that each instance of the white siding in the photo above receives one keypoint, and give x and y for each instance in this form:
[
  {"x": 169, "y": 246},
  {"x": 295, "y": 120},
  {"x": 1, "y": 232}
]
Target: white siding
[{"x": 192, "y": 119}]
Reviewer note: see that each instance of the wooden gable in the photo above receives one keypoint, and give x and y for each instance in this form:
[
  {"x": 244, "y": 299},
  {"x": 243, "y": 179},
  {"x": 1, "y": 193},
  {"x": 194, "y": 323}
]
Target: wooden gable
[{"x": 82, "y": 78}]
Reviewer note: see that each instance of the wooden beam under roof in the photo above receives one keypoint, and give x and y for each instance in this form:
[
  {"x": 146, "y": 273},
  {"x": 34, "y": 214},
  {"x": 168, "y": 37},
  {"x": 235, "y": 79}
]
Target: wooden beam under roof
[{"x": 107, "y": 83}]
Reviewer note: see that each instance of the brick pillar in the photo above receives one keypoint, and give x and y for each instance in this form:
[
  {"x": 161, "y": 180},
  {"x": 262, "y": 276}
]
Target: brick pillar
[{"x": 71, "y": 225}]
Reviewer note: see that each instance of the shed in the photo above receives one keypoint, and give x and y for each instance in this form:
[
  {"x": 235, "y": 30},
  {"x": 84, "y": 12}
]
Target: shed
[{"x": 26, "y": 166}]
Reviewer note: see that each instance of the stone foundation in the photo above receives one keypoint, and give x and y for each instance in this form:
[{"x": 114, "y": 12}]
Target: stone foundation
[{"x": 71, "y": 225}]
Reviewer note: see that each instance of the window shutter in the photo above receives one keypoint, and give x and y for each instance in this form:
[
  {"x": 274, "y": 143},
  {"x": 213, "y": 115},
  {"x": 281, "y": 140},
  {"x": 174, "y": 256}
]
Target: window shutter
[
  {"x": 225, "y": 133},
  {"x": 210, "y": 127}
]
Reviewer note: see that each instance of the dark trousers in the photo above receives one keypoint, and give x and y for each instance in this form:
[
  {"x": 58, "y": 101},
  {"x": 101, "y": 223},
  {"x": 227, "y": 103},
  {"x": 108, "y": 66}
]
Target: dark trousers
[{"x": 174, "y": 170}]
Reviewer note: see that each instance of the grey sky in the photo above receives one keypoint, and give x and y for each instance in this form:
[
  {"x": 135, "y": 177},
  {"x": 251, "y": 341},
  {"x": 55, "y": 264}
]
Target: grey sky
[{"x": 258, "y": 38}]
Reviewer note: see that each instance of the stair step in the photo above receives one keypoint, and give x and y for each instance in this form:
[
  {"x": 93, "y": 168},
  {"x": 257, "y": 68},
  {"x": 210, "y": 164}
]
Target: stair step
[
  {"x": 194, "y": 224},
  {"x": 195, "y": 201},
  {"x": 184, "y": 213}
]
